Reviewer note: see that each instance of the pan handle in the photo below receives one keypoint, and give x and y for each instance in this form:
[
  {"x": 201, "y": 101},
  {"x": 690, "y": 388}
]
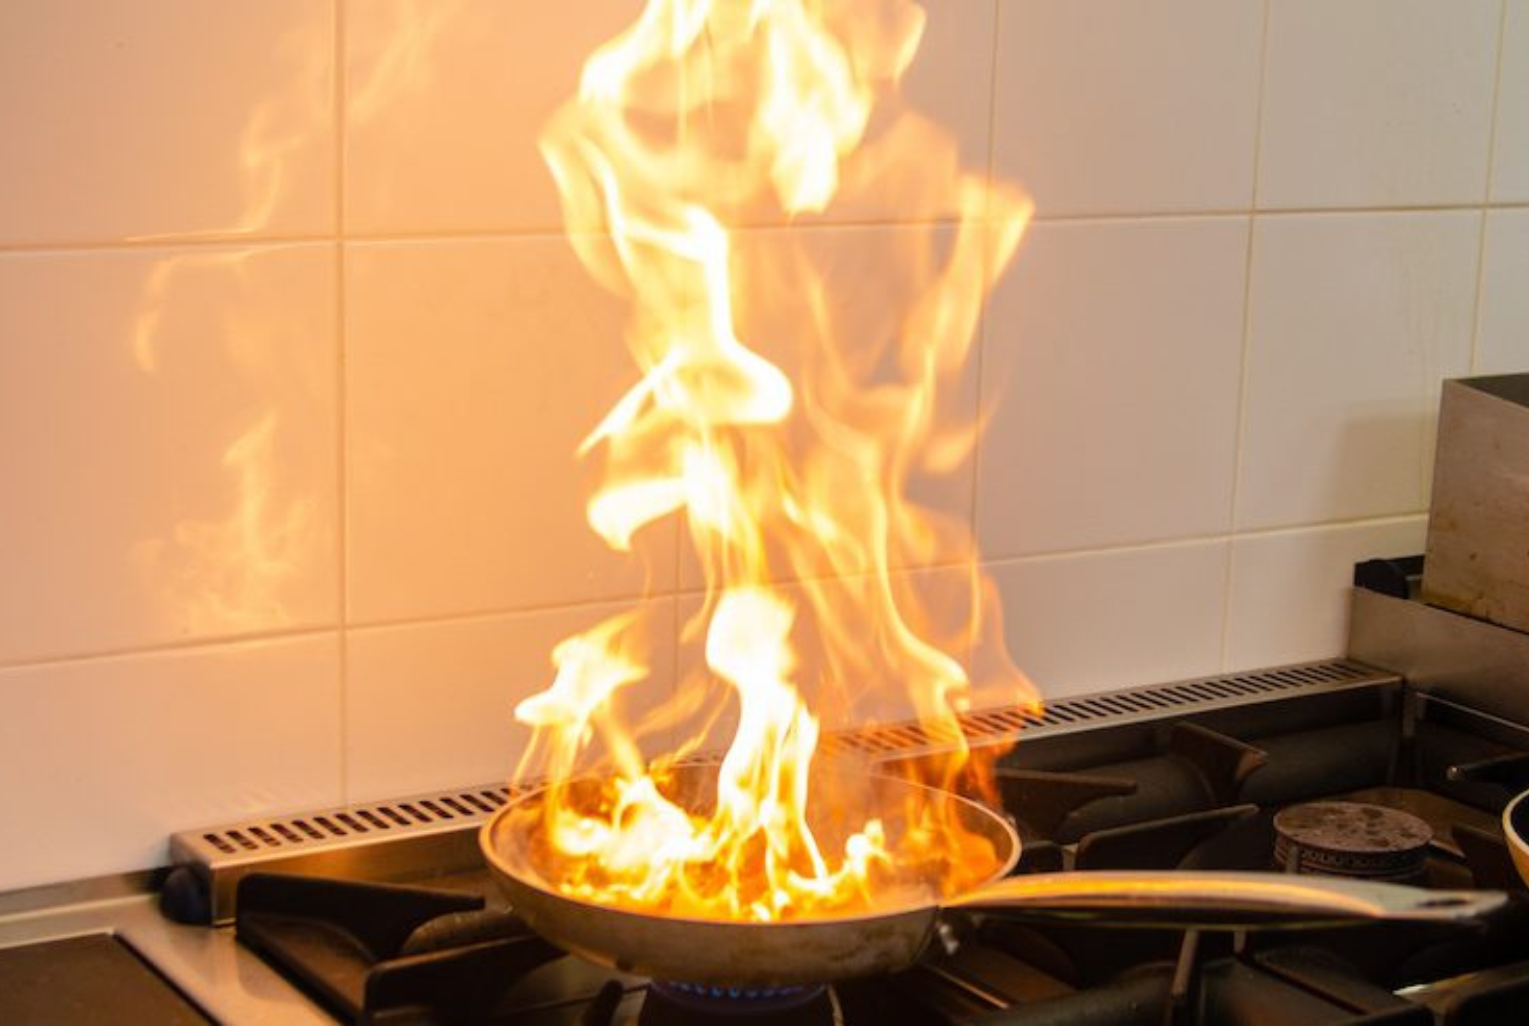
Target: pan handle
[{"x": 1218, "y": 901}]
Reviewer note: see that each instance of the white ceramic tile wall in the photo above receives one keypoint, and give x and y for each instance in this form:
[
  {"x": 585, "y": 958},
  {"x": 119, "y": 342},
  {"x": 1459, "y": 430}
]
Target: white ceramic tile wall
[
  {"x": 1510, "y": 165},
  {"x": 1503, "y": 320},
  {"x": 431, "y": 702},
  {"x": 1377, "y": 102},
  {"x": 443, "y": 102},
  {"x": 1353, "y": 320},
  {"x": 474, "y": 367},
  {"x": 1154, "y": 613},
  {"x": 172, "y": 118},
  {"x": 1287, "y": 584},
  {"x": 1116, "y": 106},
  {"x": 168, "y": 421},
  {"x": 102, "y": 759},
  {"x": 295, "y": 361},
  {"x": 1109, "y": 344}
]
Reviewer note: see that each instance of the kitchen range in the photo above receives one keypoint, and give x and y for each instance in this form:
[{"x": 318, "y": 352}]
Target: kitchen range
[{"x": 1332, "y": 767}]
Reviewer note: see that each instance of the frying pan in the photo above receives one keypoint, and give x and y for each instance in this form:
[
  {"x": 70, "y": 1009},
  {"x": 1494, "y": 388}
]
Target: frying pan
[
  {"x": 1515, "y": 827},
  {"x": 828, "y": 948}
]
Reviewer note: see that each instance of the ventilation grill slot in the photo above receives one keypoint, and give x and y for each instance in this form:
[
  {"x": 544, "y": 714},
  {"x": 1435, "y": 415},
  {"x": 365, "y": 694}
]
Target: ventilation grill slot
[
  {"x": 1002, "y": 724},
  {"x": 357, "y": 821}
]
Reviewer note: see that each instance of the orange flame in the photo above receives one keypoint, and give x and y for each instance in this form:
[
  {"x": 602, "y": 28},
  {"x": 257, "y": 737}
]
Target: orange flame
[
  {"x": 705, "y": 114},
  {"x": 232, "y": 574}
]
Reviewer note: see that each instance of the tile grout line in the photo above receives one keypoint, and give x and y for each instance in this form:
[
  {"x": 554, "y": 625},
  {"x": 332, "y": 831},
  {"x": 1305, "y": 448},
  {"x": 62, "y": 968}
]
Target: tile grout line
[
  {"x": 506, "y": 234},
  {"x": 1189, "y": 541},
  {"x": 279, "y": 634},
  {"x": 1502, "y": 46},
  {"x": 1254, "y": 210},
  {"x": 1486, "y": 195},
  {"x": 1479, "y": 292},
  {"x": 202, "y": 644},
  {"x": 1245, "y": 375},
  {"x": 681, "y": 539},
  {"x": 984, "y": 324},
  {"x": 342, "y": 542},
  {"x": 984, "y": 319},
  {"x": 224, "y": 240}
]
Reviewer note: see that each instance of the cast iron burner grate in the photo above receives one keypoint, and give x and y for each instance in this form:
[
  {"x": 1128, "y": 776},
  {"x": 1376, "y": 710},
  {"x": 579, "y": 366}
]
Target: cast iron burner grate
[{"x": 377, "y": 952}]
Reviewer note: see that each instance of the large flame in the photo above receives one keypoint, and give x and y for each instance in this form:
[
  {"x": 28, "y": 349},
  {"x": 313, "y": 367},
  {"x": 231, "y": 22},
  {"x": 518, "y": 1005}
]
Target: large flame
[{"x": 702, "y": 117}]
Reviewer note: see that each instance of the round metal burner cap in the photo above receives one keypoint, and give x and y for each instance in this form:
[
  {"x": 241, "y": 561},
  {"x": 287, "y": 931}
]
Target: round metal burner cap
[{"x": 1351, "y": 839}]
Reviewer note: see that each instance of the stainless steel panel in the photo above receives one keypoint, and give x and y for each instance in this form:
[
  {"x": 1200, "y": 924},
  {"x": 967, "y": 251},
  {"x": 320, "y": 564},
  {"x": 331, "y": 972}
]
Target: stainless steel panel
[
  {"x": 1472, "y": 662},
  {"x": 1478, "y": 525}
]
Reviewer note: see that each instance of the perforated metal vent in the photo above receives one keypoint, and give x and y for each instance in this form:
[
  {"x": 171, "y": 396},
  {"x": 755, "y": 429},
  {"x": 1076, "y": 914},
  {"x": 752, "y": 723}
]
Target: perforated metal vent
[
  {"x": 429, "y": 833},
  {"x": 1092, "y": 711},
  {"x": 449, "y": 810}
]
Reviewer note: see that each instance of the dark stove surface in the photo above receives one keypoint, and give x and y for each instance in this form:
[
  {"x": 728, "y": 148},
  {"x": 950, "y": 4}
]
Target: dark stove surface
[
  {"x": 1200, "y": 795},
  {"x": 94, "y": 980}
]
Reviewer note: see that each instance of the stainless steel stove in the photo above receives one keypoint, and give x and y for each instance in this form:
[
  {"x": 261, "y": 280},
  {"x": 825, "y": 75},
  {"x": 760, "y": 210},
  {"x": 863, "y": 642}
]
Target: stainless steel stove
[{"x": 276, "y": 921}]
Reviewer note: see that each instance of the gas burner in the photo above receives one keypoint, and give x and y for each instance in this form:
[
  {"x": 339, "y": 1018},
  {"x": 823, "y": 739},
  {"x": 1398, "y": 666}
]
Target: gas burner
[
  {"x": 1352, "y": 839},
  {"x": 683, "y": 1004}
]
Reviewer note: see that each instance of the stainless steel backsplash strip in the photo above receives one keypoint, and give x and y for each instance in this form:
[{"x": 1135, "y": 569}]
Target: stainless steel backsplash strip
[
  {"x": 436, "y": 834},
  {"x": 401, "y": 839},
  {"x": 1110, "y": 709},
  {"x": 1457, "y": 658}
]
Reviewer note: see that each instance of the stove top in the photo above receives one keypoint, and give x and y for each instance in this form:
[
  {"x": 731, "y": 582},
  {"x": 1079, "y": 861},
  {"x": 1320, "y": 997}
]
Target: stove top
[{"x": 1251, "y": 771}]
